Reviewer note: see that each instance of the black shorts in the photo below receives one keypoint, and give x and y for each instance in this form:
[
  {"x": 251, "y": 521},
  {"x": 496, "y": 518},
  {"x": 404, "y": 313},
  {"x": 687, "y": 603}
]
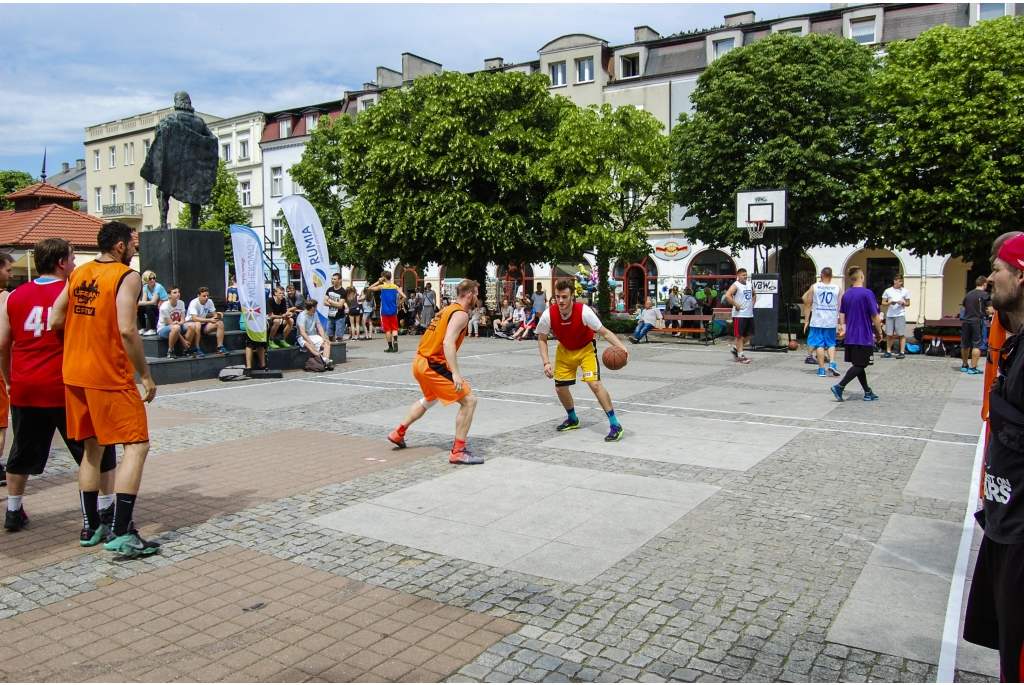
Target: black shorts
[
  {"x": 858, "y": 355},
  {"x": 971, "y": 335},
  {"x": 254, "y": 344},
  {"x": 33, "y": 433},
  {"x": 743, "y": 327},
  {"x": 995, "y": 607}
]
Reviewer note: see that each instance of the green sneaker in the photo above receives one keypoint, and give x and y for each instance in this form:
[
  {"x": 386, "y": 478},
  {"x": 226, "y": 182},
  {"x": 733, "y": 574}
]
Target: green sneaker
[
  {"x": 272, "y": 345},
  {"x": 131, "y": 544},
  {"x": 91, "y": 538}
]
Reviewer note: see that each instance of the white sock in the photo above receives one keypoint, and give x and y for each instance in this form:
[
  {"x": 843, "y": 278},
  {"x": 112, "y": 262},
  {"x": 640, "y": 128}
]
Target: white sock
[
  {"x": 14, "y": 502},
  {"x": 104, "y": 501}
]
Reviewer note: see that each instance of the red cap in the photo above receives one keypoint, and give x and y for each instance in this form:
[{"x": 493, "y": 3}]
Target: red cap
[{"x": 1012, "y": 251}]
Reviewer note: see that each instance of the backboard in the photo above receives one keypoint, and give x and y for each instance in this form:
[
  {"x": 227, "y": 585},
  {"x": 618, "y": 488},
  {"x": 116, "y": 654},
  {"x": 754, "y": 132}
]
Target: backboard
[{"x": 768, "y": 206}]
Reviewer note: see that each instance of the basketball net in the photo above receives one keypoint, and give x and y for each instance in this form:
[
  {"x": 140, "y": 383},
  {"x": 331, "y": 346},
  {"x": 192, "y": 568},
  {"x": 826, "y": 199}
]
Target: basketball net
[{"x": 756, "y": 229}]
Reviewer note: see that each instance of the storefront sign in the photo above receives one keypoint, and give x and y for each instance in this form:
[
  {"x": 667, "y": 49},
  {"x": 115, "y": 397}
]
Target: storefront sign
[{"x": 671, "y": 249}]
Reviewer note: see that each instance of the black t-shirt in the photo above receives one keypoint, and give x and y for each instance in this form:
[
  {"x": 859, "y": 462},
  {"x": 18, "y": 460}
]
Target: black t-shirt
[
  {"x": 1004, "y": 459},
  {"x": 277, "y": 308},
  {"x": 339, "y": 295},
  {"x": 975, "y": 305}
]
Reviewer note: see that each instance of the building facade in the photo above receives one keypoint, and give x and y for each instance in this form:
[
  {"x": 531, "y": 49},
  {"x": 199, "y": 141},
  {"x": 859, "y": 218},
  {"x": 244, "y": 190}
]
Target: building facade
[
  {"x": 239, "y": 147},
  {"x": 72, "y": 179}
]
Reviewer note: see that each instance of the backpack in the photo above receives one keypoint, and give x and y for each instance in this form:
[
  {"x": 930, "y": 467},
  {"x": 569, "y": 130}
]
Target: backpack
[
  {"x": 936, "y": 349},
  {"x": 315, "y": 364},
  {"x": 232, "y": 373}
]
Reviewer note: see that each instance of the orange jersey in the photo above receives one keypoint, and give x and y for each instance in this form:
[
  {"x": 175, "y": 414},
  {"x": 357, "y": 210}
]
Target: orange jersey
[
  {"x": 432, "y": 342},
  {"x": 996, "y": 339},
  {"x": 94, "y": 355}
]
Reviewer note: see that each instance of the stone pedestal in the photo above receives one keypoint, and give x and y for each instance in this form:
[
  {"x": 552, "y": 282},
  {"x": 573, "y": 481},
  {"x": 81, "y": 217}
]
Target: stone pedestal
[{"x": 186, "y": 258}]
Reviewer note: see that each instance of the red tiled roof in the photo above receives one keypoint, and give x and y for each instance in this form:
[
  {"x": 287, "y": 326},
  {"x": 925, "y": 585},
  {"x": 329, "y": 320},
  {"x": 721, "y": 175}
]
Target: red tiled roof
[
  {"x": 43, "y": 189},
  {"x": 49, "y": 221}
]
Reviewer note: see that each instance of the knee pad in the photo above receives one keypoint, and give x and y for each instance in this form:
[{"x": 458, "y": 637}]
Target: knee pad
[{"x": 427, "y": 405}]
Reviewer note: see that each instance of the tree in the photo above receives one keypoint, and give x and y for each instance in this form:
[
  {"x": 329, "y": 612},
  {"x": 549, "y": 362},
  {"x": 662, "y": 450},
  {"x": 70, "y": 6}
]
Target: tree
[
  {"x": 224, "y": 209},
  {"x": 446, "y": 171},
  {"x": 11, "y": 181},
  {"x": 609, "y": 184},
  {"x": 786, "y": 112},
  {"x": 948, "y": 142}
]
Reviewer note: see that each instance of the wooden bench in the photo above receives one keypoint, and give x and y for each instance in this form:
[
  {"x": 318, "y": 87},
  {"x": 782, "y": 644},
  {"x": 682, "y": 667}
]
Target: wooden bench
[
  {"x": 950, "y": 323},
  {"x": 703, "y": 329}
]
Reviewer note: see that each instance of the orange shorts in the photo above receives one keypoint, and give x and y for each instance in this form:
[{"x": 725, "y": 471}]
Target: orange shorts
[
  {"x": 5, "y": 404},
  {"x": 113, "y": 417},
  {"x": 436, "y": 381}
]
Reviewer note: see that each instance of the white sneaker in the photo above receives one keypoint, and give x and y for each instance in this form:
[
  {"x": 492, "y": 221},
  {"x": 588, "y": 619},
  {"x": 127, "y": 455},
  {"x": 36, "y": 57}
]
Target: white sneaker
[
  {"x": 142, "y": 331},
  {"x": 150, "y": 332}
]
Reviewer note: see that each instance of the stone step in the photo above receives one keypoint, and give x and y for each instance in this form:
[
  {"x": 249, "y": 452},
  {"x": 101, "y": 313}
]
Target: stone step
[
  {"x": 156, "y": 347},
  {"x": 168, "y": 371}
]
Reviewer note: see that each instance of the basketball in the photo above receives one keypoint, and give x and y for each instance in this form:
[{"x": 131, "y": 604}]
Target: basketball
[
  {"x": 793, "y": 344},
  {"x": 613, "y": 358}
]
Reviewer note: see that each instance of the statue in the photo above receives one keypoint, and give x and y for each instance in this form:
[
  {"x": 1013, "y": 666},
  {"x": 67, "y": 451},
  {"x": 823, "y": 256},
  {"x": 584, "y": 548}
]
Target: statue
[{"x": 182, "y": 161}]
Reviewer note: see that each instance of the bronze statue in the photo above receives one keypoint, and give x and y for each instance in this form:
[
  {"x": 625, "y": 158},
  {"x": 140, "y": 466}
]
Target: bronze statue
[{"x": 182, "y": 162}]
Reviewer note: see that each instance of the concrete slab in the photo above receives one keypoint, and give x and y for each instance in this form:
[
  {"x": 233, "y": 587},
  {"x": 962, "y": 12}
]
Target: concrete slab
[
  {"x": 969, "y": 388},
  {"x": 619, "y": 388},
  {"x": 957, "y": 418},
  {"x": 943, "y": 472},
  {"x": 873, "y": 626},
  {"x": 661, "y": 368},
  {"x": 914, "y": 543},
  {"x": 402, "y": 373},
  {"x": 556, "y": 522},
  {"x": 756, "y": 401},
  {"x": 803, "y": 377},
  {"x": 285, "y": 394},
  {"x": 492, "y": 417}
]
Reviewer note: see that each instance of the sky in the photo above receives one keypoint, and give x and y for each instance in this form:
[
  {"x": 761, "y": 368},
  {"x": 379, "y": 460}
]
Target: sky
[{"x": 66, "y": 67}]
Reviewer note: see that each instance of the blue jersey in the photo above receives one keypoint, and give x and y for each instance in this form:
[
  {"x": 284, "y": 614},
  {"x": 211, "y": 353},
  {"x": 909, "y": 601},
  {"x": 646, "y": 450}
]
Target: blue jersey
[{"x": 388, "y": 299}]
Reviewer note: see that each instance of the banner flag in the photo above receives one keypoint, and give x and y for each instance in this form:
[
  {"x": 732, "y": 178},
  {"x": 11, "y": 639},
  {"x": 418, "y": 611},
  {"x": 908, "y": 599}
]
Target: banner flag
[
  {"x": 248, "y": 251},
  {"x": 308, "y": 234}
]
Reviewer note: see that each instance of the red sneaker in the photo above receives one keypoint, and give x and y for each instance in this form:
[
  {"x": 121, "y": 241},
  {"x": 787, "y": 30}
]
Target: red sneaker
[
  {"x": 464, "y": 456},
  {"x": 396, "y": 438}
]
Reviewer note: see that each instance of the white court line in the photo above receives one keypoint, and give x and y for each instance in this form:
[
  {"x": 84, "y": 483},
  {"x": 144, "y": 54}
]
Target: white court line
[
  {"x": 229, "y": 387},
  {"x": 951, "y": 630}
]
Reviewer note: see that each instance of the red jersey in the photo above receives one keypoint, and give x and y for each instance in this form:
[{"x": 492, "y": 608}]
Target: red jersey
[
  {"x": 572, "y": 333},
  {"x": 37, "y": 354}
]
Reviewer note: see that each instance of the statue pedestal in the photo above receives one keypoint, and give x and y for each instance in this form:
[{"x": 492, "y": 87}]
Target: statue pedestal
[{"x": 186, "y": 258}]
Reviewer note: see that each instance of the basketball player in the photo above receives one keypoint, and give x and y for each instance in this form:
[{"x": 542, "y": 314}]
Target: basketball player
[
  {"x": 822, "y": 299},
  {"x": 103, "y": 352},
  {"x": 390, "y": 297},
  {"x": 31, "y": 358},
  {"x": 742, "y": 298},
  {"x": 436, "y": 369},
  {"x": 858, "y": 314},
  {"x": 574, "y": 325},
  {"x": 6, "y": 269}
]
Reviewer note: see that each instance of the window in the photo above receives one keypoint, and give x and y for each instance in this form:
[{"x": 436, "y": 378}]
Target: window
[
  {"x": 243, "y": 149},
  {"x": 95, "y": 160},
  {"x": 145, "y": 147},
  {"x": 366, "y": 104},
  {"x": 99, "y": 198},
  {"x": 276, "y": 182},
  {"x": 724, "y": 46},
  {"x": 630, "y": 66},
  {"x": 285, "y": 128},
  {"x": 863, "y": 30},
  {"x": 131, "y": 153},
  {"x": 297, "y": 189},
  {"x": 991, "y": 10},
  {"x": 113, "y": 195},
  {"x": 585, "y": 70},
  {"x": 149, "y": 194},
  {"x": 796, "y": 31},
  {"x": 246, "y": 194},
  {"x": 113, "y": 156},
  {"x": 311, "y": 122},
  {"x": 126, "y": 154},
  {"x": 557, "y": 74},
  {"x": 225, "y": 152},
  {"x": 129, "y": 191},
  {"x": 277, "y": 231}
]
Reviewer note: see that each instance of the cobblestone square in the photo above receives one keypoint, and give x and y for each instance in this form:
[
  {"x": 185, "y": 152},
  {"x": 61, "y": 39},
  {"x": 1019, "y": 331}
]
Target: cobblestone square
[{"x": 747, "y": 527}]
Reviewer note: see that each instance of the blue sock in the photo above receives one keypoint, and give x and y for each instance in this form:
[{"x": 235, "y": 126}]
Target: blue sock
[
  {"x": 572, "y": 414},
  {"x": 612, "y": 420}
]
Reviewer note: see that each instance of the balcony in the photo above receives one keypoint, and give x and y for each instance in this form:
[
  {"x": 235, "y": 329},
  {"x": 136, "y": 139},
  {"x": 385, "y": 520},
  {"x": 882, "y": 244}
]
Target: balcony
[{"x": 123, "y": 210}]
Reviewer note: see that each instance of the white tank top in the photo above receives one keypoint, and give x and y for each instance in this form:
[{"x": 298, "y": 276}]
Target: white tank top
[
  {"x": 825, "y": 306},
  {"x": 745, "y": 296}
]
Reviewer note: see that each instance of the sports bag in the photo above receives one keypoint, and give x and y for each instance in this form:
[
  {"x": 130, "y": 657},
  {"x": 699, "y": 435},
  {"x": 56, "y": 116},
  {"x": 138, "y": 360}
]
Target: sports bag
[
  {"x": 315, "y": 364},
  {"x": 936, "y": 348},
  {"x": 232, "y": 373}
]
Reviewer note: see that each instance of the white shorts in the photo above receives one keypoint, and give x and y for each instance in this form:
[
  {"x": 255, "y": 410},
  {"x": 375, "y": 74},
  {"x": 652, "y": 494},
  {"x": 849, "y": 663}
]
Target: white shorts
[{"x": 318, "y": 343}]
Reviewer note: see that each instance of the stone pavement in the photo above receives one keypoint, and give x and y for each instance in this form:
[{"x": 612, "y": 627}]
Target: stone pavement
[{"x": 747, "y": 527}]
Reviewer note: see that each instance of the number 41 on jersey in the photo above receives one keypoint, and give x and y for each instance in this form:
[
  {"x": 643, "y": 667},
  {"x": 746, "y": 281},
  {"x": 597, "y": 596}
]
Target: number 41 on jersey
[{"x": 35, "y": 322}]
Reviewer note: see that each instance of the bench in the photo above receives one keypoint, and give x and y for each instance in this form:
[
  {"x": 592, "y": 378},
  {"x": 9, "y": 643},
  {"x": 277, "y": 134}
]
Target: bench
[
  {"x": 949, "y": 323},
  {"x": 702, "y": 327}
]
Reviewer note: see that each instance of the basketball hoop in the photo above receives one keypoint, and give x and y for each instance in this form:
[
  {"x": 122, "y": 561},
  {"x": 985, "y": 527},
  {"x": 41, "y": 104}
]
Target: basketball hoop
[{"x": 756, "y": 229}]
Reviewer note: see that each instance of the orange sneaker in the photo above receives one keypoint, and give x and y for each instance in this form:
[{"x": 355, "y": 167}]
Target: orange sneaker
[
  {"x": 464, "y": 456},
  {"x": 396, "y": 438}
]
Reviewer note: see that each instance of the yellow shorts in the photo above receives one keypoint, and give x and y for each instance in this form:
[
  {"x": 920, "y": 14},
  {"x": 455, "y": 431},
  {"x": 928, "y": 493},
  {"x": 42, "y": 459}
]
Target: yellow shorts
[{"x": 585, "y": 359}]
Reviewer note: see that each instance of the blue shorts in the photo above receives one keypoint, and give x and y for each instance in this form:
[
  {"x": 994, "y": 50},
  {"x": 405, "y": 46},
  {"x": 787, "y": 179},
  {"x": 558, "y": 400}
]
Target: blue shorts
[
  {"x": 821, "y": 337},
  {"x": 335, "y": 327},
  {"x": 164, "y": 332}
]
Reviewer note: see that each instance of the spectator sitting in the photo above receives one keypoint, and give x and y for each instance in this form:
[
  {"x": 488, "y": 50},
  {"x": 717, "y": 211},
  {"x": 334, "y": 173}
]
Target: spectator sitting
[
  {"x": 689, "y": 305},
  {"x": 474, "y": 321},
  {"x": 294, "y": 300},
  {"x": 232, "y": 297},
  {"x": 203, "y": 319},
  {"x": 503, "y": 318},
  {"x": 278, "y": 316},
  {"x": 172, "y": 324},
  {"x": 518, "y": 319},
  {"x": 649, "y": 318},
  {"x": 334, "y": 300},
  {"x": 152, "y": 295},
  {"x": 311, "y": 332},
  {"x": 526, "y": 324}
]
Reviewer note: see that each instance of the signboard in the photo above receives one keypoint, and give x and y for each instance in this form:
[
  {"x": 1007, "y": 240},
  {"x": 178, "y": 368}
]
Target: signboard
[
  {"x": 671, "y": 249},
  {"x": 765, "y": 285},
  {"x": 766, "y": 310}
]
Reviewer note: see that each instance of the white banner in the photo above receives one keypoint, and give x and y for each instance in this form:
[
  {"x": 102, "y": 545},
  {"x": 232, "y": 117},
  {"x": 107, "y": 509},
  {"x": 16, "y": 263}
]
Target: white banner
[
  {"x": 308, "y": 234},
  {"x": 248, "y": 251}
]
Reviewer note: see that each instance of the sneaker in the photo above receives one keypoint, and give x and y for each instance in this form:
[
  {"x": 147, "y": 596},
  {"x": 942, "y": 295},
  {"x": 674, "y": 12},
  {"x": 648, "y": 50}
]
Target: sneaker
[
  {"x": 272, "y": 345},
  {"x": 838, "y": 392},
  {"x": 131, "y": 544},
  {"x": 16, "y": 520},
  {"x": 568, "y": 425},
  {"x": 870, "y": 396},
  {"x": 735, "y": 353},
  {"x": 964, "y": 369},
  {"x": 822, "y": 373},
  {"x": 901, "y": 356},
  {"x": 150, "y": 332},
  {"x": 742, "y": 359},
  {"x": 199, "y": 353},
  {"x": 887, "y": 355},
  {"x": 90, "y": 538},
  {"x": 397, "y": 439},
  {"x": 974, "y": 371},
  {"x": 142, "y": 331},
  {"x": 464, "y": 456},
  {"x": 615, "y": 434},
  {"x": 632, "y": 339},
  {"x": 833, "y": 370},
  {"x": 396, "y": 348},
  {"x": 810, "y": 360},
  {"x": 221, "y": 349}
]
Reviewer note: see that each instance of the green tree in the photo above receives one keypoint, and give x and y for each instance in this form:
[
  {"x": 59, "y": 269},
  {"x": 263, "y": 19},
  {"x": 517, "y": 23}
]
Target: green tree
[
  {"x": 785, "y": 112},
  {"x": 10, "y": 181},
  {"x": 608, "y": 180},
  {"x": 447, "y": 171},
  {"x": 947, "y": 142},
  {"x": 224, "y": 209}
]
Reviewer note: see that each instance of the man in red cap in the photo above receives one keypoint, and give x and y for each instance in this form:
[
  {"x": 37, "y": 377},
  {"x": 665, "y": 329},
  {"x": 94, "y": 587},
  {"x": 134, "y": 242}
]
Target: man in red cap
[{"x": 995, "y": 608}]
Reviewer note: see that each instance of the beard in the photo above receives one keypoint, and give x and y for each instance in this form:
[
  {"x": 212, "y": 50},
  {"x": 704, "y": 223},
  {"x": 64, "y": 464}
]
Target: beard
[{"x": 1005, "y": 302}]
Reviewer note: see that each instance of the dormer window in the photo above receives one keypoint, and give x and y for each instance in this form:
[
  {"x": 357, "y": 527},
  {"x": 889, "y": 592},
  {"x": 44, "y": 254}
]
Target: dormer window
[
  {"x": 585, "y": 70},
  {"x": 863, "y": 30},
  {"x": 311, "y": 121},
  {"x": 557, "y": 72},
  {"x": 285, "y": 128},
  {"x": 864, "y": 25},
  {"x": 991, "y": 10},
  {"x": 630, "y": 66},
  {"x": 723, "y": 46}
]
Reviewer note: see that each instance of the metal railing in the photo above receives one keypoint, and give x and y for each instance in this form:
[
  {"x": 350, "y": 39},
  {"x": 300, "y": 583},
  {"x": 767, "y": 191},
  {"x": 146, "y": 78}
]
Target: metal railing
[{"x": 122, "y": 209}]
